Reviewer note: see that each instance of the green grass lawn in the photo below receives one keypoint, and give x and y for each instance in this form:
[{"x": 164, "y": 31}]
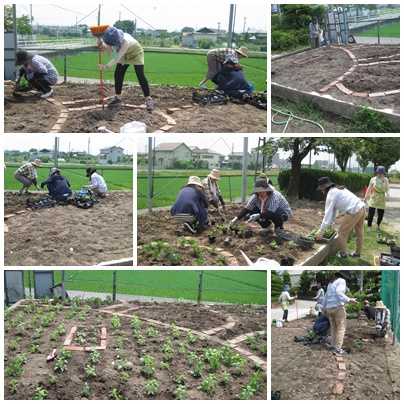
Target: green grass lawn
[
  {"x": 243, "y": 287},
  {"x": 391, "y": 30},
  {"x": 117, "y": 179},
  {"x": 161, "y": 68},
  {"x": 166, "y": 189}
]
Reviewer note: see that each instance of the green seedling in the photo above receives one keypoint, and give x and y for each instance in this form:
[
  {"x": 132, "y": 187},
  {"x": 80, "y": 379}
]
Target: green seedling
[
  {"x": 123, "y": 365},
  {"x": 34, "y": 348},
  {"x": 124, "y": 377},
  {"x": 191, "y": 338},
  {"x": 247, "y": 393},
  {"x": 151, "y": 332},
  {"x": 12, "y": 386},
  {"x": 16, "y": 366},
  {"x": 94, "y": 357},
  {"x": 213, "y": 357},
  {"x": 86, "y": 390},
  {"x": 115, "y": 322},
  {"x": 62, "y": 361},
  {"x": 151, "y": 387},
  {"x": 13, "y": 344},
  {"x": 90, "y": 371},
  {"x": 174, "y": 331},
  {"x": 148, "y": 366},
  {"x": 225, "y": 378},
  {"x": 273, "y": 244},
  {"x": 40, "y": 393},
  {"x": 180, "y": 392},
  {"x": 183, "y": 348},
  {"x": 115, "y": 394},
  {"x": 136, "y": 323},
  {"x": 192, "y": 357},
  {"x": 209, "y": 385},
  {"x": 197, "y": 368},
  {"x": 52, "y": 380},
  {"x": 180, "y": 379},
  {"x": 168, "y": 351}
]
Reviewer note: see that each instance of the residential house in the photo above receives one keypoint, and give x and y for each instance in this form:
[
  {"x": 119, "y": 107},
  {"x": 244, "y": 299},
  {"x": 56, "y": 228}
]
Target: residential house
[
  {"x": 112, "y": 155},
  {"x": 191, "y": 39},
  {"x": 166, "y": 154},
  {"x": 212, "y": 158},
  {"x": 236, "y": 158}
]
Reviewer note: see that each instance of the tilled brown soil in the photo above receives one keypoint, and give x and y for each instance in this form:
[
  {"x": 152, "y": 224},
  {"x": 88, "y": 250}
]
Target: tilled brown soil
[
  {"x": 159, "y": 227},
  {"x": 122, "y": 345},
  {"x": 314, "y": 69},
  {"x": 308, "y": 372},
  {"x": 30, "y": 114},
  {"x": 67, "y": 235}
]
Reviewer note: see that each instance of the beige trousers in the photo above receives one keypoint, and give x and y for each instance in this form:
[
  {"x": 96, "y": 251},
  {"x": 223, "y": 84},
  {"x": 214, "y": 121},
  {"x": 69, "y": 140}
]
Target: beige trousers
[
  {"x": 349, "y": 223},
  {"x": 337, "y": 318}
]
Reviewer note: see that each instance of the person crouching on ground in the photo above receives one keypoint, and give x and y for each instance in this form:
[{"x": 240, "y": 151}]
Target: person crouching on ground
[
  {"x": 216, "y": 58},
  {"x": 129, "y": 52},
  {"x": 58, "y": 186},
  {"x": 97, "y": 182},
  {"x": 266, "y": 206},
  {"x": 344, "y": 202},
  {"x": 211, "y": 187},
  {"x": 27, "y": 175},
  {"x": 191, "y": 206},
  {"x": 334, "y": 309},
  {"x": 40, "y": 73},
  {"x": 376, "y": 194},
  {"x": 284, "y": 300}
]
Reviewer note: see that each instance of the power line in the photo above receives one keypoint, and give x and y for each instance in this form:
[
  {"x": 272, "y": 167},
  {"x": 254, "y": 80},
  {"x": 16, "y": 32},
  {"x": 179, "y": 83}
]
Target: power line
[
  {"x": 140, "y": 18},
  {"x": 88, "y": 15},
  {"x": 67, "y": 9}
]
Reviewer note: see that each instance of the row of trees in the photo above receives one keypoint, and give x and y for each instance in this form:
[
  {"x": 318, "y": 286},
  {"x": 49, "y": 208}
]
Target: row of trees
[{"x": 383, "y": 151}]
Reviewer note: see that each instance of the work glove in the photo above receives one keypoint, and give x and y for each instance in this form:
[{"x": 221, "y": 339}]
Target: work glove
[{"x": 254, "y": 217}]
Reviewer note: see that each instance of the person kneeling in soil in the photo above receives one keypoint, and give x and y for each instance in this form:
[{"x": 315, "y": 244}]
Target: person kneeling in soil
[
  {"x": 211, "y": 187},
  {"x": 40, "y": 73},
  {"x": 191, "y": 206},
  {"x": 334, "y": 308},
  {"x": 97, "y": 182},
  {"x": 380, "y": 314},
  {"x": 231, "y": 80},
  {"x": 129, "y": 52},
  {"x": 27, "y": 175},
  {"x": 266, "y": 206},
  {"x": 216, "y": 58},
  {"x": 58, "y": 186},
  {"x": 284, "y": 300},
  {"x": 343, "y": 201}
]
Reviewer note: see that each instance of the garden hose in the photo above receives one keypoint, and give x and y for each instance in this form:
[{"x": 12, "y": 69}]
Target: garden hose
[{"x": 290, "y": 117}]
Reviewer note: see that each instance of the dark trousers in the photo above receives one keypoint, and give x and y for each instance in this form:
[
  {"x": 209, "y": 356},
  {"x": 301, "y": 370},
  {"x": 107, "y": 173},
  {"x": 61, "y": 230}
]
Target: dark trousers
[
  {"x": 119, "y": 76},
  {"x": 38, "y": 81},
  {"x": 285, "y": 315},
  {"x": 371, "y": 215},
  {"x": 278, "y": 218}
]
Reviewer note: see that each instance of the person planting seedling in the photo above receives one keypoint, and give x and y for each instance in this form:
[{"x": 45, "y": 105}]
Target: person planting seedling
[
  {"x": 27, "y": 175},
  {"x": 266, "y": 206},
  {"x": 129, "y": 52},
  {"x": 212, "y": 190},
  {"x": 97, "y": 182},
  {"x": 343, "y": 201}
]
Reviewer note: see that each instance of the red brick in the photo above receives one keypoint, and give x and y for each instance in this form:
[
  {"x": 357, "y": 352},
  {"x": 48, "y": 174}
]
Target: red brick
[
  {"x": 338, "y": 388},
  {"x": 341, "y": 366}
]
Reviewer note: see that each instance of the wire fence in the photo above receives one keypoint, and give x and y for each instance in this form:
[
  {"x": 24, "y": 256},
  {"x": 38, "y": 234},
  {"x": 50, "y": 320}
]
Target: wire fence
[
  {"x": 241, "y": 287},
  {"x": 390, "y": 294}
]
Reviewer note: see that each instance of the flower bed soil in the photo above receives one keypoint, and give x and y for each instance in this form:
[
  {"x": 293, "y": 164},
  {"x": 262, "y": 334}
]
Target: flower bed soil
[
  {"x": 160, "y": 228},
  {"x": 124, "y": 347}
]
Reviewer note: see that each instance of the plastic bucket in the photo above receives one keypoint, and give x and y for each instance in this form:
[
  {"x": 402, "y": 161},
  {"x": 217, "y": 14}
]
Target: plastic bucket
[
  {"x": 133, "y": 127},
  {"x": 279, "y": 323}
]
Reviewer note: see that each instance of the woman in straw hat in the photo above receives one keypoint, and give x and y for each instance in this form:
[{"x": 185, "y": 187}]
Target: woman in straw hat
[
  {"x": 27, "y": 175},
  {"x": 217, "y": 57},
  {"x": 129, "y": 52},
  {"x": 211, "y": 186},
  {"x": 191, "y": 206}
]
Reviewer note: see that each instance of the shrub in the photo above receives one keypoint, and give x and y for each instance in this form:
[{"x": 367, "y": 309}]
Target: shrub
[
  {"x": 368, "y": 121},
  {"x": 309, "y": 181}
]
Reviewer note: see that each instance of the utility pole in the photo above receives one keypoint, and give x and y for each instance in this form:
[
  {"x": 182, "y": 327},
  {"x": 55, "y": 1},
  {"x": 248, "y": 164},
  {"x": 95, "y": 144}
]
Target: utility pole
[
  {"x": 88, "y": 146},
  {"x": 150, "y": 176},
  {"x": 244, "y": 170},
  {"x": 231, "y": 25},
  {"x": 120, "y": 15},
  {"x": 99, "y": 15},
  {"x": 244, "y": 25},
  {"x": 56, "y": 151}
]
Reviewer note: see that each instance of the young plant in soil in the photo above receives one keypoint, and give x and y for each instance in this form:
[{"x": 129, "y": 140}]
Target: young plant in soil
[
  {"x": 34, "y": 348},
  {"x": 151, "y": 387},
  {"x": 16, "y": 366},
  {"x": 168, "y": 351},
  {"x": 115, "y": 322},
  {"x": 213, "y": 357},
  {"x": 90, "y": 371},
  {"x": 148, "y": 366},
  {"x": 135, "y": 323},
  {"x": 40, "y": 393},
  {"x": 225, "y": 378},
  {"x": 86, "y": 390},
  {"x": 94, "y": 357},
  {"x": 197, "y": 368},
  {"x": 151, "y": 332},
  {"x": 191, "y": 338},
  {"x": 62, "y": 361},
  {"x": 174, "y": 331},
  {"x": 12, "y": 386},
  {"x": 209, "y": 385},
  {"x": 115, "y": 394},
  {"x": 180, "y": 392}
]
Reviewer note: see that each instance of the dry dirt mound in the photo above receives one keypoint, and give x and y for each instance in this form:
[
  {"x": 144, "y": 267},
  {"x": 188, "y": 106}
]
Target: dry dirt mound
[{"x": 67, "y": 235}]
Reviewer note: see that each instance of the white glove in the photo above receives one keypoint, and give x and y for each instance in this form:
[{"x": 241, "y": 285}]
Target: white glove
[
  {"x": 253, "y": 218},
  {"x": 203, "y": 85},
  {"x": 233, "y": 220}
]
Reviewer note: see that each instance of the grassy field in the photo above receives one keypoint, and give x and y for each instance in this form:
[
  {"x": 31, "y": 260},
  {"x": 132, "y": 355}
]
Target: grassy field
[
  {"x": 167, "y": 185},
  {"x": 391, "y": 30},
  {"x": 161, "y": 68},
  {"x": 244, "y": 287},
  {"x": 116, "y": 178}
]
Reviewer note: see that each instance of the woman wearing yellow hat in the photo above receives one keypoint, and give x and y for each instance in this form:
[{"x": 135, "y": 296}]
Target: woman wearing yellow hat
[{"x": 129, "y": 52}]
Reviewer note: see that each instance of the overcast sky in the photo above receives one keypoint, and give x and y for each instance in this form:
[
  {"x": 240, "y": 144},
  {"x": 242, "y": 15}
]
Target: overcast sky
[
  {"x": 159, "y": 14},
  {"x": 78, "y": 142}
]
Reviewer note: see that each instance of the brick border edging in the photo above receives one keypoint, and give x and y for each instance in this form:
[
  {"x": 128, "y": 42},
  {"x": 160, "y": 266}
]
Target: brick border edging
[
  {"x": 67, "y": 344},
  {"x": 338, "y": 386}
]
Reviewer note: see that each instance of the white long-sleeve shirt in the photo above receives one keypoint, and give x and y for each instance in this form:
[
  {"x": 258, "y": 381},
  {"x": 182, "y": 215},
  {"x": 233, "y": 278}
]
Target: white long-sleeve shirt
[
  {"x": 98, "y": 183},
  {"x": 335, "y": 295},
  {"x": 340, "y": 201}
]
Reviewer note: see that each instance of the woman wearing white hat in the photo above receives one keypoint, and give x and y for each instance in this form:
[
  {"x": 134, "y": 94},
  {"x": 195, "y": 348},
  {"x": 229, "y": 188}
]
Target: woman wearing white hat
[
  {"x": 27, "y": 175},
  {"x": 216, "y": 58},
  {"x": 211, "y": 185},
  {"x": 191, "y": 206}
]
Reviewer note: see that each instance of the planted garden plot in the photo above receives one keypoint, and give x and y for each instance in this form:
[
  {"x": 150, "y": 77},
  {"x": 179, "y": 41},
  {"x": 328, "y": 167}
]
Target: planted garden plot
[
  {"x": 142, "y": 359},
  {"x": 67, "y": 235},
  {"x": 77, "y": 108},
  {"x": 162, "y": 242},
  {"x": 310, "y": 372},
  {"x": 367, "y": 75}
]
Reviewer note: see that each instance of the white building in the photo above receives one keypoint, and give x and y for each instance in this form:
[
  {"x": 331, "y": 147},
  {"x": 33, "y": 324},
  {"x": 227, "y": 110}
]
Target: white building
[
  {"x": 166, "y": 154},
  {"x": 110, "y": 155}
]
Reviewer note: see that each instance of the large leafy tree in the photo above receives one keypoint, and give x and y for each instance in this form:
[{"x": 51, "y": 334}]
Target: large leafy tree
[
  {"x": 23, "y": 23},
  {"x": 127, "y": 26},
  {"x": 342, "y": 148}
]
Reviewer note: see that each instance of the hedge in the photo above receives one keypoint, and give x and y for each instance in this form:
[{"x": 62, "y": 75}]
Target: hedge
[
  {"x": 284, "y": 40},
  {"x": 309, "y": 181}
]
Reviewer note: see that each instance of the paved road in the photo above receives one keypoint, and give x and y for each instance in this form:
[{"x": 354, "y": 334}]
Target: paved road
[
  {"x": 371, "y": 40},
  {"x": 303, "y": 309},
  {"x": 392, "y": 212}
]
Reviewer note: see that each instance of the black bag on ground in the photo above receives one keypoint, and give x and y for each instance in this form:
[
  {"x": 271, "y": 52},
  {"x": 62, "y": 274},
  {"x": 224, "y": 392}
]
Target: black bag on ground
[{"x": 84, "y": 199}]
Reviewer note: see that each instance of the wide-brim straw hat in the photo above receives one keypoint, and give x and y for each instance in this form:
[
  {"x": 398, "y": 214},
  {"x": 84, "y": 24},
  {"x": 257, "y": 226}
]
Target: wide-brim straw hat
[
  {"x": 324, "y": 183},
  {"x": 37, "y": 163},
  {"x": 261, "y": 185},
  {"x": 380, "y": 305},
  {"x": 194, "y": 180},
  {"x": 243, "y": 51},
  {"x": 215, "y": 174},
  {"x": 98, "y": 29}
]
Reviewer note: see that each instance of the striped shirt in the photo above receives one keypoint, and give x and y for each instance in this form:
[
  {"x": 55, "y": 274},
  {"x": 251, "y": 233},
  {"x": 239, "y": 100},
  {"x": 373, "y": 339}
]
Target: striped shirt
[
  {"x": 276, "y": 201},
  {"x": 221, "y": 54},
  {"x": 27, "y": 170},
  {"x": 41, "y": 65}
]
